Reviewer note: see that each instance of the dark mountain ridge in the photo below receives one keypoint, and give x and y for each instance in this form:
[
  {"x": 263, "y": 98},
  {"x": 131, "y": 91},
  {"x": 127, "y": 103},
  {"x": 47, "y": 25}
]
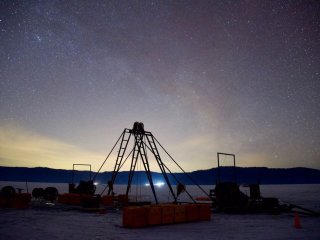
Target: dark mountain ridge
[{"x": 241, "y": 175}]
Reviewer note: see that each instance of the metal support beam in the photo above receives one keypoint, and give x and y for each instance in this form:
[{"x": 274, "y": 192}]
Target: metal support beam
[
  {"x": 139, "y": 150},
  {"x": 154, "y": 150}
]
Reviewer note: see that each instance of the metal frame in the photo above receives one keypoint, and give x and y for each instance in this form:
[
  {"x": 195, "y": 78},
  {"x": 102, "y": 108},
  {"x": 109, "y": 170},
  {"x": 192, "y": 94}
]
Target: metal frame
[
  {"x": 80, "y": 165},
  {"x": 139, "y": 151},
  {"x": 143, "y": 141},
  {"x": 234, "y": 165}
]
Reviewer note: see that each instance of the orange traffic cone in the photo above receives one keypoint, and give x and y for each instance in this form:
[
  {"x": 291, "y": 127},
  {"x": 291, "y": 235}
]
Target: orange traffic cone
[{"x": 297, "y": 223}]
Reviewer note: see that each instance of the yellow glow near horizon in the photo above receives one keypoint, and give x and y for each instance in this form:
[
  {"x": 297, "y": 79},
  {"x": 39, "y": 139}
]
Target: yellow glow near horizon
[{"x": 22, "y": 148}]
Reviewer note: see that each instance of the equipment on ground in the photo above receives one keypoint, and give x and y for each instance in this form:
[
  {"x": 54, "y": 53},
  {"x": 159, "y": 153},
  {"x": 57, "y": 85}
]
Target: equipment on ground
[
  {"x": 227, "y": 197},
  {"x": 50, "y": 193},
  {"x": 84, "y": 187}
]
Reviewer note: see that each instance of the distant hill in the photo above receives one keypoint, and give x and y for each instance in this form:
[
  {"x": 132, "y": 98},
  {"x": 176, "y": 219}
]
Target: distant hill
[{"x": 248, "y": 175}]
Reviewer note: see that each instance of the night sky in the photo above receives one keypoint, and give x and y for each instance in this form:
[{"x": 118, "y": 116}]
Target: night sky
[{"x": 240, "y": 77}]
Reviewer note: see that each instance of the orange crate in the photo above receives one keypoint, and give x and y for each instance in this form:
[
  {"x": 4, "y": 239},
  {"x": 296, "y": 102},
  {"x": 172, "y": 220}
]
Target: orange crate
[
  {"x": 193, "y": 212},
  {"x": 153, "y": 215},
  {"x": 74, "y": 199},
  {"x": 70, "y": 198},
  {"x": 22, "y": 200},
  {"x": 64, "y": 198},
  {"x": 179, "y": 213},
  {"x": 107, "y": 200},
  {"x": 134, "y": 217},
  {"x": 204, "y": 212},
  {"x": 167, "y": 214}
]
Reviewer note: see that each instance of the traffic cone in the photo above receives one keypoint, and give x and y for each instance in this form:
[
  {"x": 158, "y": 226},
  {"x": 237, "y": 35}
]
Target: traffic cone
[{"x": 297, "y": 223}]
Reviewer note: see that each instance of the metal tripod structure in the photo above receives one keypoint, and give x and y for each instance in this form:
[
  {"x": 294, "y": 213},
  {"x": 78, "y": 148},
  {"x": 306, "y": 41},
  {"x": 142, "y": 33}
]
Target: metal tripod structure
[{"x": 143, "y": 141}]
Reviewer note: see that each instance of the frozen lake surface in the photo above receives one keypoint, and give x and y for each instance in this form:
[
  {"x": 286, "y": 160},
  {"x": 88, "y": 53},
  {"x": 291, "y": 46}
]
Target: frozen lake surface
[
  {"x": 307, "y": 195},
  {"x": 53, "y": 223}
]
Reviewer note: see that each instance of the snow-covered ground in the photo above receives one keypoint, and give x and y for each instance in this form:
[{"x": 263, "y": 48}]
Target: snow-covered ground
[
  {"x": 62, "y": 223},
  {"x": 52, "y": 224}
]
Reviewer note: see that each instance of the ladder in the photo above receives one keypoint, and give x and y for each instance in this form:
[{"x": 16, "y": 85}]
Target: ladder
[{"x": 122, "y": 150}]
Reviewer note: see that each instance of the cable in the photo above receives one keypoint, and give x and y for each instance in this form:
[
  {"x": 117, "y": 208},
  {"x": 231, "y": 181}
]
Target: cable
[
  {"x": 172, "y": 175},
  {"x": 94, "y": 177},
  {"x": 182, "y": 169},
  {"x": 179, "y": 182},
  {"x": 126, "y": 159},
  {"x": 119, "y": 170}
]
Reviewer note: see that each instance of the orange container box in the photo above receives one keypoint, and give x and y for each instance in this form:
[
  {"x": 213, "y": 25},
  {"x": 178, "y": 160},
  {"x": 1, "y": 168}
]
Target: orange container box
[
  {"x": 134, "y": 217},
  {"x": 179, "y": 213},
  {"x": 153, "y": 215},
  {"x": 63, "y": 198},
  {"x": 204, "y": 212},
  {"x": 193, "y": 212},
  {"x": 107, "y": 200},
  {"x": 74, "y": 199},
  {"x": 22, "y": 200},
  {"x": 70, "y": 198},
  {"x": 167, "y": 214}
]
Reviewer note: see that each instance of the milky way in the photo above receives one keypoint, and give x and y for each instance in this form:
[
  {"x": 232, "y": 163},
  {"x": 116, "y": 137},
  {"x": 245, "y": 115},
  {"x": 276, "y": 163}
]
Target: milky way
[{"x": 204, "y": 76}]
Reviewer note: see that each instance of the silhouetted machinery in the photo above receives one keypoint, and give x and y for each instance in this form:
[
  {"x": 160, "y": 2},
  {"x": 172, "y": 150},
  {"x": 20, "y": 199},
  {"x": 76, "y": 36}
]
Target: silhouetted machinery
[
  {"x": 49, "y": 193},
  {"x": 228, "y": 198},
  {"x": 84, "y": 187},
  {"x": 10, "y": 199},
  {"x": 8, "y": 193}
]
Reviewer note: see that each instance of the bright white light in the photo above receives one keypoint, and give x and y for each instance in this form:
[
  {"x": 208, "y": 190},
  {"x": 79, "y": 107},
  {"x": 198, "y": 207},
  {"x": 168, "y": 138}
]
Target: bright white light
[
  {"x": 159, "y": 184},
  {"x": 95, "y": 183}
]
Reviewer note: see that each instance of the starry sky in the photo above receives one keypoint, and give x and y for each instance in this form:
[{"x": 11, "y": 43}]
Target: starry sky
[{"x": 240, "y": 77}]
